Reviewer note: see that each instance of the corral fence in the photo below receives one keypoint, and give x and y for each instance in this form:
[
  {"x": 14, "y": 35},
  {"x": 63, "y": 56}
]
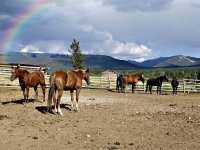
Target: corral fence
[{"x": 185, "y": 85}]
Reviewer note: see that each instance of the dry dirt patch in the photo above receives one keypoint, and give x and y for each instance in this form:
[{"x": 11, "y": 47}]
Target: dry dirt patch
[{"x": 107, "y": 120}]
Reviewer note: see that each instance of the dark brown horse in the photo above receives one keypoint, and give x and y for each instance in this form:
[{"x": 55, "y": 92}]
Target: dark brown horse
[
  {"x": 27, "y": 80},
  {"x": 66, "y": 81},
  {"x": 132, "y": 79}
]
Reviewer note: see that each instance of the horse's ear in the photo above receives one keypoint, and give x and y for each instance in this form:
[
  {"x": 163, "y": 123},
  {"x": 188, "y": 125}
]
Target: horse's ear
[
  {"x": 87, "y": 70},
  {"x": 18, "y": 66}
]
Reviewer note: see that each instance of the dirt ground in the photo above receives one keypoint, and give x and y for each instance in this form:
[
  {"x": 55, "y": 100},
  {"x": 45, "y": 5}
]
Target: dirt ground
[{"x": 107, "y": 120}]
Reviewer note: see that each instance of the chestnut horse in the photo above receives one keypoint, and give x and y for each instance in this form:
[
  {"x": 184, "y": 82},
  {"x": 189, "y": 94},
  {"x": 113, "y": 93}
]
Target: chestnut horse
[
  {"x": 132, "y": 79},
  {"x": 27, "y": 80},
  {"x": 66, "y": 81}
]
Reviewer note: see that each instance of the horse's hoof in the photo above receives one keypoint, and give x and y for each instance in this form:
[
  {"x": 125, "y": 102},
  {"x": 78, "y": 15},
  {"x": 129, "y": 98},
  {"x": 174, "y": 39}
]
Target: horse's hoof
[
  {"x": 76, "y": 110},
  {"x": 60, "y": 113}
]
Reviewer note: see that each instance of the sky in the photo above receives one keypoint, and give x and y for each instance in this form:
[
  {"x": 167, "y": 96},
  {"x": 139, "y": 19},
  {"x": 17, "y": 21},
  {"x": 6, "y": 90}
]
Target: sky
[{"x": 124, "y": 29}]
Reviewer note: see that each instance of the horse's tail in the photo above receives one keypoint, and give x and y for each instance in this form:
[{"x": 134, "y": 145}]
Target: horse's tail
[{"x": 51, "y": 92}]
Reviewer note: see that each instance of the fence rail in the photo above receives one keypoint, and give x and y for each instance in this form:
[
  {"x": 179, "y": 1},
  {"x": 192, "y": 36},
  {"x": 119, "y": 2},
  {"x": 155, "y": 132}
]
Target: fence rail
[{"x": 186, "y": 85}]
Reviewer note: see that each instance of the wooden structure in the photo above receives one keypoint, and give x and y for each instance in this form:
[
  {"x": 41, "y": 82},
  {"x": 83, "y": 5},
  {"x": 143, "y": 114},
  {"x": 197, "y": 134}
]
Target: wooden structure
[{"x": 106, "y": 81}]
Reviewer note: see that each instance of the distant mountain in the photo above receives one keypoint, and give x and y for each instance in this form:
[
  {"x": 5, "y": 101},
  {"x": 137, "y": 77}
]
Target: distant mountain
[
  {"x": 153, "y": 62},
  {"x": 101, "y": 62},
  {"x": 62, "y": 62},
  {"x": 173, "y": 61}
]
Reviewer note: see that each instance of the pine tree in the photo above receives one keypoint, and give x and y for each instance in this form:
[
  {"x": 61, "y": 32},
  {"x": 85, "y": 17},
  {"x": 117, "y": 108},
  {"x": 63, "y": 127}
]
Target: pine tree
[{"x": 76, "y": 56}]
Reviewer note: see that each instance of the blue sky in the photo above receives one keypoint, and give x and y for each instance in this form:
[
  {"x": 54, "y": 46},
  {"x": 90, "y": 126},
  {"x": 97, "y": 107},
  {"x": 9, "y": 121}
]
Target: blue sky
[{"x": 136, "y": 30}]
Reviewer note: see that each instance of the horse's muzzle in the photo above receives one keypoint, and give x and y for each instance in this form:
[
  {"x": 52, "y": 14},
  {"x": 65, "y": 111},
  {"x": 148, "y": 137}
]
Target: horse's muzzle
[
  {"x": 12, "y": 78},
  {"x": 88, "y": 83}
]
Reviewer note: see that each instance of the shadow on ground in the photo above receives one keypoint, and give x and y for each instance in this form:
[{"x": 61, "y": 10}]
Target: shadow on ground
[
  {"x": 20, "y": 101},
  {"x": 43, "y": 109}
]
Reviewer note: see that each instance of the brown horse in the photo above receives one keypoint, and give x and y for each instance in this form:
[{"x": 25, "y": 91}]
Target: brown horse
[
  {"x": 132, "y": 79},
  {"x": 66, "y": 81},
  {"x": 27, "y": 80}
]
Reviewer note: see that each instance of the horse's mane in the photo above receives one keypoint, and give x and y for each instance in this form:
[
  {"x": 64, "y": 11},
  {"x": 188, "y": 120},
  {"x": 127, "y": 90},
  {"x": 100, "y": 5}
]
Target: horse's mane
[
  {"x": 135, "y": 74},
  {"x": 139, "y": 74},
  {"x": 23, "y": 71},
  {"x": 78, "y": 72}
]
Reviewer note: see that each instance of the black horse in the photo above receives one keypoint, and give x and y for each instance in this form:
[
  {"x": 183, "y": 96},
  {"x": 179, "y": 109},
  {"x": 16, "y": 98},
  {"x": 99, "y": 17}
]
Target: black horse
[
  {"x": 174, "y": 84},
  {"x": 155, "y": 82},
  {"x": 119, "y": 84}
]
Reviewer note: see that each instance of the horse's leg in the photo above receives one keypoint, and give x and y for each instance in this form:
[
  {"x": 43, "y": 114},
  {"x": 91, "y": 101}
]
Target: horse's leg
[
  {"x": 124, "y": 88},
  {"x": 150, "y": 89},
  {"x": 117, "y": 87},
  {"x": 147, "y": 88},
  {"x": 55, "y": 102},
  {"x": 24, "y": 92},
  {"x": 173, "y": 92},
  {"x": 43, "y": 91},
  {"x": 133, "y": 88},
  {"x": 72, "y": 99},
  {"x": 176, "y": 90},
  {"x": 158, "y": 89},
  {"x": 27, "y": 94},
  {"x": 121, "y": 89},
  {"x": 36, "y": 92},
  {"x": 77, "y": 98},
  {"x": 160, "y": 92},
  {"x": 60, "y": 92}
]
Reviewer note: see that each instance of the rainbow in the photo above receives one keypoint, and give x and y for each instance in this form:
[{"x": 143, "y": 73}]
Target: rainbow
[{"x": 18, "y": 24}]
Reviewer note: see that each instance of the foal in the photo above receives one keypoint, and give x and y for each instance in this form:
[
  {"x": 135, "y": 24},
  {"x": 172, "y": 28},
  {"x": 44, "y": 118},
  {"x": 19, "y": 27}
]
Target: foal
[
  {"x": 27, "y": 80},
  {"x": 66, "y": 81}
]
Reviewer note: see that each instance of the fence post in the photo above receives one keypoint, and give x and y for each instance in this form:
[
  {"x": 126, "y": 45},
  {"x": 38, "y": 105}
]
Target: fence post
[
  {"x": 109, "y": 81},
  {"x": 184, "y": 86},
  {"x": 101, "y": 82}
]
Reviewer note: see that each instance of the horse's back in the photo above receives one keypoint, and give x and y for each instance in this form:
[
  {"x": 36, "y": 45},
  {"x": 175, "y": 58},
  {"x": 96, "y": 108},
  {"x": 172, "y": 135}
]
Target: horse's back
[
  {"x": 59, "y": 79},
  {"x": 174, "y": 82},
  {"x": 130, "y": 78},
  {"x": 153, "y": 82},
  {"x": 36, "y": 78},
  {"x": 73, "y": 80},
  {"x": 66, "y": 80}
]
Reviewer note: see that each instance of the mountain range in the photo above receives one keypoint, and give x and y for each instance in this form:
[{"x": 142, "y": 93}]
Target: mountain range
[{"x": 102, "y": 62}]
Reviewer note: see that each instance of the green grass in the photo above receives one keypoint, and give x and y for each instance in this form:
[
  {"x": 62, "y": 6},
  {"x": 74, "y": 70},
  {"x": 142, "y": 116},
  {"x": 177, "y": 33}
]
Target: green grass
[{"x": 180, "y": 73}]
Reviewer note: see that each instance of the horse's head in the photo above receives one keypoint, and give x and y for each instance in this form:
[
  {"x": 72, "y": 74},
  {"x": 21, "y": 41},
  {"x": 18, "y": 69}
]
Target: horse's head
[
  {"x": 141, "y": 78},
  {"x": 86, "y": 76},
  {"x": 14, "y": 72},
  {"x": 165, "y": 78}
]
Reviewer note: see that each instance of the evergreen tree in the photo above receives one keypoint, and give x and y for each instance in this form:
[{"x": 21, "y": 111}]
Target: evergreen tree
[{"x": 76, "y": 56}]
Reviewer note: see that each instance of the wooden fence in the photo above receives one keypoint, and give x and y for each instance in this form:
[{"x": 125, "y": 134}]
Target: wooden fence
[{"x": 185, "y": 85}]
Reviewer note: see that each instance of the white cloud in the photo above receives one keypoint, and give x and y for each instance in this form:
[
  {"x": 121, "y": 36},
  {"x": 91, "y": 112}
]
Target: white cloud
[
  {"x": 112, "y": 47},
  {"x": 30, "y": 49},
  {"x": 121, "y": 28},
  {"x": 46, "y": 47}
]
